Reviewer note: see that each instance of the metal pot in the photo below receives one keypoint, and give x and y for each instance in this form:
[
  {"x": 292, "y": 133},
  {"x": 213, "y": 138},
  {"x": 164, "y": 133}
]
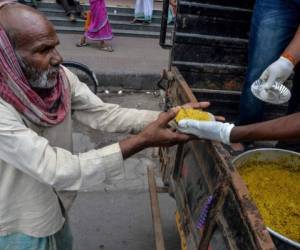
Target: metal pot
[{"x": 271, "y": 155}]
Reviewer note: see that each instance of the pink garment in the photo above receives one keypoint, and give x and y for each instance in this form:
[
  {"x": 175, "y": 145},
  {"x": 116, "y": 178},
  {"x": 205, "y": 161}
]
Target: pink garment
[{"x": 99, "y": 28}]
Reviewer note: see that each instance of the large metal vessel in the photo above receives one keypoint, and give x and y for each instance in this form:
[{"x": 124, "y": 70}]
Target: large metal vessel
[{"x": 272, "y": 155}]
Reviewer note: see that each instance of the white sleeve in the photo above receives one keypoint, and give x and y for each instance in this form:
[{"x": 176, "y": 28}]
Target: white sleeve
[
  {"x": 22, "y": 148},
  {"x": 90, "y": 110}
]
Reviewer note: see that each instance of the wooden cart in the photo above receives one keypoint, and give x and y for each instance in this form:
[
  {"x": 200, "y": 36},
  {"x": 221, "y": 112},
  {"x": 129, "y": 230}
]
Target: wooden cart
[{"x": 207, "y": 62}]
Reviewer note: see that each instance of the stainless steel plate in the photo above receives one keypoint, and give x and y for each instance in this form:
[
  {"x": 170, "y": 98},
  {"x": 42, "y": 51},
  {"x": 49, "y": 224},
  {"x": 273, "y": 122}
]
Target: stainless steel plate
[{"x": 278, "y": 94}]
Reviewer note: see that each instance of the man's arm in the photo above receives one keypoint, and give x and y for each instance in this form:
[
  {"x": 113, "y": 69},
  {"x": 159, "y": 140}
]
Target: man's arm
[
  {"x": 91, "y": 111},
  {"x": 282, "y": 68},
  {"x": 293, "y": 48},
  {"x": 25, "y": 150},
  {"x": 157, "y": 133},
  {"x": 284, "y": 128}
]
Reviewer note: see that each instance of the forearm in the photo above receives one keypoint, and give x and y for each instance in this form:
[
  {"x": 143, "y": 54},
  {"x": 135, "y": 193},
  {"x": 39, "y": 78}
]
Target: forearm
[
  {"x": 132, "y": 145},
  {"x": 284, "y": 128},
  {"x": 293, "y": 48},
  {"x": 157, "y": 133},
  {"x": 109, "y": 117},
  {"x": 91, "y": 111}
]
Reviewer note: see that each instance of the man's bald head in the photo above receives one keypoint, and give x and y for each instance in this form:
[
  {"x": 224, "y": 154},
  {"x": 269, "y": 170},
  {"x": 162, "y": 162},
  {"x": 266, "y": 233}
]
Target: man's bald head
[
  {"x": 34, "y": 40},
  {"x": 20, "y": 21}
]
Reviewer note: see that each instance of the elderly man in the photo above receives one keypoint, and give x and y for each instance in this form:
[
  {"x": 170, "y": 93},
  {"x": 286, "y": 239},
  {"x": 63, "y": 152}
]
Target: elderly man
[{"x": 37, "y": 98}]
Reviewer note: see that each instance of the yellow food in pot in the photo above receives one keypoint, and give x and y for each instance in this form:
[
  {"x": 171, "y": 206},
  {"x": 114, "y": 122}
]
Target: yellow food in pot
[{"x": 276, "y": 191}]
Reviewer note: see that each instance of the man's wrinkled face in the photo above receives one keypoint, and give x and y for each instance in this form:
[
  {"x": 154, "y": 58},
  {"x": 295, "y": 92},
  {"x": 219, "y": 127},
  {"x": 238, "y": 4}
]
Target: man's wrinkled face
[
  {"x": 44, "y": 79},
  {"x": 38, "y": 58}
]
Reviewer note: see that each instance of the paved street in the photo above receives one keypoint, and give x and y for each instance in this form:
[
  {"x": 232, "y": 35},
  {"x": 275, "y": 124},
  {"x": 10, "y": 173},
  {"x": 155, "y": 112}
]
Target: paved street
[
  {"x": 120, "y": 220},
  {"x": 136, "y": 62},
  {"x": 131, "y": 55},
  {"x": 118, "y": 217}
]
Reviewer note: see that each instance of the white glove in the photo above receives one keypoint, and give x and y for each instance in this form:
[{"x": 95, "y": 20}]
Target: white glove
[
  {"x": 216, "y": 131},
  {"x": 279, "y": 71}
]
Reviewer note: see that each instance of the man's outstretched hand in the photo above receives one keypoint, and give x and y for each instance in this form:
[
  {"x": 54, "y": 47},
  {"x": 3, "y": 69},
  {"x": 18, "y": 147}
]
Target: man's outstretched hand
[{"x": 158, "y": 133}]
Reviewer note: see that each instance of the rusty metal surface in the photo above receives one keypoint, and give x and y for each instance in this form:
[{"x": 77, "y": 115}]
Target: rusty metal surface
[
  {"x": 167, "y": 162},
  {"x": 210, "y": 42},
  {"x": 198, "y": 169},
  {"x": 203, "y": 159},
  {"x": 156, "y": 218}
]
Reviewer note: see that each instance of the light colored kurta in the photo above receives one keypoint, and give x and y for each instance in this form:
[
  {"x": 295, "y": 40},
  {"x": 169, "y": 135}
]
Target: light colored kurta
[{"x": 31, "y": 165}]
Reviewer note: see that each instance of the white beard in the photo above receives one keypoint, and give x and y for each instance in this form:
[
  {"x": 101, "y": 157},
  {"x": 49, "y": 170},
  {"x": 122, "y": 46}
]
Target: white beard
[
  {"x": 42, "y": 82},
  {"x": 38, "y": 79}
]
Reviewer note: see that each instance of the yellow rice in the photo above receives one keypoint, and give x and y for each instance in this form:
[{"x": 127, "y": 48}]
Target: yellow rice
[
  {"x": 275, "y": 189},
  {"x": 195, "y": 114}
]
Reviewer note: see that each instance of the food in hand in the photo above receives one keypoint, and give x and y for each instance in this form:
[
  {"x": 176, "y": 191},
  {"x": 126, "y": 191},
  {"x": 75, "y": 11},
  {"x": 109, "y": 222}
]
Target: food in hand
[{"x": 194, "y": 114}]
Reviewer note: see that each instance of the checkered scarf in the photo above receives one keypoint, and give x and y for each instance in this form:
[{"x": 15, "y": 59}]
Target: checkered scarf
[{"x": 16, "y": 90}]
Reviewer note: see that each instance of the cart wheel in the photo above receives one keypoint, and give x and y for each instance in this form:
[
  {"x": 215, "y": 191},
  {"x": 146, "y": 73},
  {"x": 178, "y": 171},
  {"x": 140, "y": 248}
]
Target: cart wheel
[{"x": 84, "y": 73}]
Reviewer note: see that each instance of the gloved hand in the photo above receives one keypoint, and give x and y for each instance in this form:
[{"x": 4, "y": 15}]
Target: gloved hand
[
  {"x": 279, "y": 71},
  {"x": 211, "y": 130}
]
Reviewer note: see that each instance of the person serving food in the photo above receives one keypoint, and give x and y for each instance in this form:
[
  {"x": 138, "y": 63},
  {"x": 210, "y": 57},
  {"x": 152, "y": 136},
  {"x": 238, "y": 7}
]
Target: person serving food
[{"x": 283, "y": 128}]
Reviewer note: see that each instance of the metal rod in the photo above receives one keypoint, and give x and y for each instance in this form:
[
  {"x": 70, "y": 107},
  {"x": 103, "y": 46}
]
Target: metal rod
[
  {"x": 163, "y": 26},
  {"x": 157, "y": 227}
]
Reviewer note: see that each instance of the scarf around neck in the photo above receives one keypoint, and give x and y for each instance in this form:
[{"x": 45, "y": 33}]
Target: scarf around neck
[{"x": 15, "y": 89}]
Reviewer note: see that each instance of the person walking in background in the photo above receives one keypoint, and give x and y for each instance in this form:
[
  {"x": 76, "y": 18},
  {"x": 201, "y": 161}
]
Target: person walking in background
[
  {"x": 72, "y": 8},
  {"x": 143, "y": 11},
  {"x": 97, "y": 27},
  {"x": 87, "y": 23}
]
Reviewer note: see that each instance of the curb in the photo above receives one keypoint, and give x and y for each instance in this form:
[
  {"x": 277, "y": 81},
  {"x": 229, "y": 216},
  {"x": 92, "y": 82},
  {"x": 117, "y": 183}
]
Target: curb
[{"x": 135, "y": 81}]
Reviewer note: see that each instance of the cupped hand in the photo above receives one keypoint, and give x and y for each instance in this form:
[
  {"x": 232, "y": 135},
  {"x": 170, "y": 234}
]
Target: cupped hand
[{"x": 158, "y": 133}]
